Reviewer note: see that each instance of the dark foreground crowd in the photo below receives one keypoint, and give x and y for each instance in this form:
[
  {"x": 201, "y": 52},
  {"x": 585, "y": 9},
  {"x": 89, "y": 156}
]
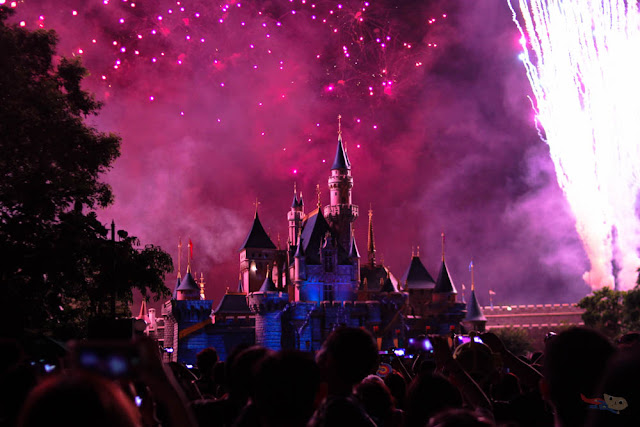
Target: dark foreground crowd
[{"x": 581, "y": 379}]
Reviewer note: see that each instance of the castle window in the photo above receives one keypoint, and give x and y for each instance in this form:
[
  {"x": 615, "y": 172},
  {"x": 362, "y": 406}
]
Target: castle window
[{"x": 328, "y": 292}]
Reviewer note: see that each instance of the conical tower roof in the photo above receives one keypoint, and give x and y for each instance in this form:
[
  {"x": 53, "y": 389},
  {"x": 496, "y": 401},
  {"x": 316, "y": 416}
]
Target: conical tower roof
[
  {"x": 353, "y": 252},
  {"x": 257, "y": 237},
  {"x": 387, "y": 286},
  {"x": 240, "y": 287},
  {"x": 188, "y": 283},
  {"x": 474, "y": 311},
  {"x": 268, "y": 285},
  {"x": 295, "y": 204},
  {"x": 341, "y": 160},
  {"x": 312, "y": 236},
  {"x": 417, "y": 276},
  {"x": 444, "y": 285},
  {"x": 175, "y": 290}
]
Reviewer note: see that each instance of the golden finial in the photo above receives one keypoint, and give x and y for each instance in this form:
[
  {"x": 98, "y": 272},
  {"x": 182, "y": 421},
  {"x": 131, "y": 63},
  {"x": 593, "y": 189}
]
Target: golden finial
[
  {"x": 256, "y": 203},
  {"x": 295, "y": 188},
  {"x": 412, "y": 252},
  {"x": 418, "y": 252},
  {"x": 471, "y": 268},
  {"x": 442, "y": 235},
  {"x": 179, "y": 256},
  {"x": 339, "y": 124},
  {"x": 189, "y": 256},
  {"x": 318, "y": 191}
]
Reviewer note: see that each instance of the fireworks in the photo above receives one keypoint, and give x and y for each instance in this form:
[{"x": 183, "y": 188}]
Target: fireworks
[{"x": 580, "y": 58}]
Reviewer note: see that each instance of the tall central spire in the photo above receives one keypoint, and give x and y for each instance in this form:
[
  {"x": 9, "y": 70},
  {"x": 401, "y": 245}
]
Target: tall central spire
[
  {"x": 371, "y": 244},
  {"x": 341, "y": 212},
  {"x": 341, "y": 160}
]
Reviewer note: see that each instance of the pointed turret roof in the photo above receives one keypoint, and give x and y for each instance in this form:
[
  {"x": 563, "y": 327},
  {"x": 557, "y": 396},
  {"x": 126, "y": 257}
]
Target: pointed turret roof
[
  {"x": 444, "y": 284},
  {"x": 233, "y": 304},
  {"x": 257, "y": 237},
  {"x": 240, "y": 287},
  {"x": 313, "y": 234},
  {"x": 295, "y": 204},
  {"x": 188, "y": 283},
  {"x": 474, "y": 311},
  {"x": 353, "y": 252},
  {"x": 144, "y": 314},
  {"x": 371, "y": 244},
  {"x": 417, "y": 276},
  {"x": 341, "y": 160},
  {"x": 175, "y": 290},
  {"x": 268, "y": 285},
  {"x": 387, "y": 286},
  {"x": 300, "y": 200}
]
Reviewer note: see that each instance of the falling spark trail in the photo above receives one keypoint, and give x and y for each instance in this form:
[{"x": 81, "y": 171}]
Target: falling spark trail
[{"x": 581, "y": 60}]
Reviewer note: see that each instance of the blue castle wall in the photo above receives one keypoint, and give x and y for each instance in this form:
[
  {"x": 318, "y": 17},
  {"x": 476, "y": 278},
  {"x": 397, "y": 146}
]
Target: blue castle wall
[{"x": 188, "y": 313}]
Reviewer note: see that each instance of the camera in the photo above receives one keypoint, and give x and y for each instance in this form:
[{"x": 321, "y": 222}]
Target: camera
[{"x": 464, "y": 339}]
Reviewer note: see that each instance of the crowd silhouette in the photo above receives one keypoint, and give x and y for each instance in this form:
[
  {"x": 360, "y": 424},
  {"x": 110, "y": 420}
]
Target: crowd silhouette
[{"x": 581, "y": 379}]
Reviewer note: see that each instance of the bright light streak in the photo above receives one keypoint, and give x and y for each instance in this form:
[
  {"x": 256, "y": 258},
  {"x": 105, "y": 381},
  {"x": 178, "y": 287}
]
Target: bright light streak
[{"x": 580, "y": 59}]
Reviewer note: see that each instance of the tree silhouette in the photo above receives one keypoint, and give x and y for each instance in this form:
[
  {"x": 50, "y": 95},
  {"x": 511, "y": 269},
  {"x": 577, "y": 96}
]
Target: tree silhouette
[{"x": 58, "y": 265}]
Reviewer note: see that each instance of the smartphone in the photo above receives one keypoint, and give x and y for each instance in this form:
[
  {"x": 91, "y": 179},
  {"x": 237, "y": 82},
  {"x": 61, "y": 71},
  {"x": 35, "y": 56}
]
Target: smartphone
[
  {"x": 463, "y": 339},
  {"x": 111, "y": 359}
]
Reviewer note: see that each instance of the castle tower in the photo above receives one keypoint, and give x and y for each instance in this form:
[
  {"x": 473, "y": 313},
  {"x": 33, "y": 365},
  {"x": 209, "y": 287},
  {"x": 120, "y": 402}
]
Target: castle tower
[
  {"x": 295, "y": 216},
  {"x": 341, "y": 213},
  {"x": 444, "y": 290},
  {"x": 267, "y": 304},
  {"x": 188, "y": 288},
  {"x": 256, "y": 253},
  {"x": 474, "y": 319}
]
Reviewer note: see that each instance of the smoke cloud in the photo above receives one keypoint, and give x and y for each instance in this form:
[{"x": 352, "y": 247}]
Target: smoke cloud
[{"x": 226, "y": 104}]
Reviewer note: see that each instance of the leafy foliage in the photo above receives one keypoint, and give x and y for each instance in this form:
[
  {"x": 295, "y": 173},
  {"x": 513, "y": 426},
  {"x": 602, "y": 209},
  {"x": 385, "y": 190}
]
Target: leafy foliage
[
  {"x": 612, "y": 312},
  {"x": 516, "y": 340},
  {"x": 57, "y": 264}
]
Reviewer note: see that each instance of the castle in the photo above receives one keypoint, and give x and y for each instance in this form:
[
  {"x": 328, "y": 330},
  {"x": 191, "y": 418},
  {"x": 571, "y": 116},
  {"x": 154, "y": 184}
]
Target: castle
[{"x": 292, "y": 298}]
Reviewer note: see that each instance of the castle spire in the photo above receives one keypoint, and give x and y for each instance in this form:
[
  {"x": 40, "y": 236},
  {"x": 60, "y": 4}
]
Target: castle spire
[
  {"x": 295, "y": 204},
  {"x": 471, "y": 270},
  {"x": 189, "y": 256},
  {"x": 353, "y": 251},
  {"x": 341, "y": 160},
  {"x": 240, "y": 287},
  {"x": 442, "y": 246},
  {"x": 371, "y": 245},
  {"x": 318, "y": 191}
]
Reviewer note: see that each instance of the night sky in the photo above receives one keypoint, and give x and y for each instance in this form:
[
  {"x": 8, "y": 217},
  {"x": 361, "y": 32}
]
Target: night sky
[{"x": 222, "y": 103}]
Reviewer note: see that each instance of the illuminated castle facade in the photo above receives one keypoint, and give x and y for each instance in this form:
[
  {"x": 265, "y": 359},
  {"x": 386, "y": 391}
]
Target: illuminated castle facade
[{"x": 294, "y": 297}]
